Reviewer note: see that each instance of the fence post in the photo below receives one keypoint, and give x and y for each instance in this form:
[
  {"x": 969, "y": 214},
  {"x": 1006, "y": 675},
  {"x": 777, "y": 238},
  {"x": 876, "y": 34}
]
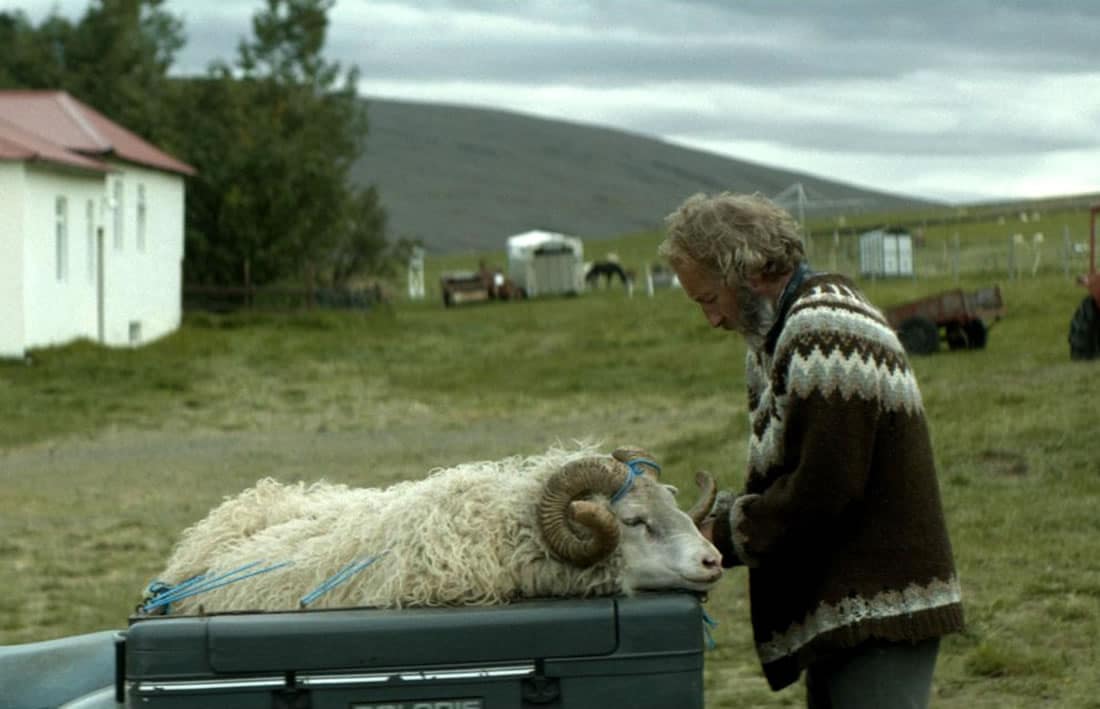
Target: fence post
[
  {"x": 955, "y": 260},
  {"x": 1067, "y": 250},
  {"x": 1037, "y": 240}
]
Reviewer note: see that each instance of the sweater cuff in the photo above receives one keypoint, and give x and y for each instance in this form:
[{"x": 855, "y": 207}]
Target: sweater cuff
[
  {"x": 737, "y": 535},
  {"x": 720, "y": 516}
]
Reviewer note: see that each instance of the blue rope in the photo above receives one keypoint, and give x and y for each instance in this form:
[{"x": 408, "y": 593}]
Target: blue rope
[
  {"x": 195, "y": 584},
  {"x": 165, "y": 595},
  {"x": 709, "y": 623},
  {"x": 338, "y": 578},
  {"x": 635, "y": 465}
]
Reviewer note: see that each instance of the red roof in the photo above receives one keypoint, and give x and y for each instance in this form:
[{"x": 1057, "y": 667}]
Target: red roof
[
  {"x": 55, "y": 127},
  {"x": 18, "y": 144}
]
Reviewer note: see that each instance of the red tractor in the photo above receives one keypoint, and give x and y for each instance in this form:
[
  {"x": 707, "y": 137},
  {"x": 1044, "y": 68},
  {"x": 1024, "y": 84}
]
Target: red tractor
[{"x": 1084, "y": 328}]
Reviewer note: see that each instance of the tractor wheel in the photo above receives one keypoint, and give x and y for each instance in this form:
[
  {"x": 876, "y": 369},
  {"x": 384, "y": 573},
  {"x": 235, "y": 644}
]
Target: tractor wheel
[
  {"x": 977, "y": 334},
  {"x": 919, "y": 336},
  {"x": 1084, "y": 331}
]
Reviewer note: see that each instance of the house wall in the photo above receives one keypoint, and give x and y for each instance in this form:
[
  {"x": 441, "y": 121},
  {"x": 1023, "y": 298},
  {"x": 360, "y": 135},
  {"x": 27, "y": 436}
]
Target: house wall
[
  {"x": 12, "y": 207},
  {"x": 61, "y": 307},
  {"x": 143, "y": 281},
  {"x": 141, "y": 297}
]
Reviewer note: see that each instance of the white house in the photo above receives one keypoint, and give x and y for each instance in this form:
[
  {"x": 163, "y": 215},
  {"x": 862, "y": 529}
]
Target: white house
[
  {"x": 546, "y": 263},
  {"x": 91, "y": 227}
]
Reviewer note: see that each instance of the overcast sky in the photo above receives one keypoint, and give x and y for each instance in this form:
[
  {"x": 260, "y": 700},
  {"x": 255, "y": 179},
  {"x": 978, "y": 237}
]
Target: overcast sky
[{"x": 951, "y": 100}]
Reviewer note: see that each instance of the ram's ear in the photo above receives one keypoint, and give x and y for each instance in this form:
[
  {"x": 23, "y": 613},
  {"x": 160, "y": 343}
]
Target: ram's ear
[
  {"x": 625, "y": 454},
  {"x": 673, "y": 489}
]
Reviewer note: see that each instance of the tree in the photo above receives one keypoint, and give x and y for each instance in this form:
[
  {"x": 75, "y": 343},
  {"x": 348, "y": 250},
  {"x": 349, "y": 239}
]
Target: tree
[
  {"x": 279, "y": 202},
  {"x": 118, "y": 58},
  {"x": 32, "y": 56},
  {"x": 361, "y": 240},
  {"x": 273, "y": 135},
  {"x": 115, "y": 58}
]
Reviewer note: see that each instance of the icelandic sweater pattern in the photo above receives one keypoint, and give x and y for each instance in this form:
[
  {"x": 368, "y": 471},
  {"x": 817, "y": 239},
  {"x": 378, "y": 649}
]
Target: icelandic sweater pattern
[{"x": 840, "y": 520}]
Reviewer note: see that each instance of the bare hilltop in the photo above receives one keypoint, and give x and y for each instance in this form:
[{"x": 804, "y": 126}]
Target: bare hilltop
[{"x": 463, "y": 179}]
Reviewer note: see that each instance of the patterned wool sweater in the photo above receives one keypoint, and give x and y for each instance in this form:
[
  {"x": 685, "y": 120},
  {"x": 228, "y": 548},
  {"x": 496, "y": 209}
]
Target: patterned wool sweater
[{"x": 840, "y": 520}]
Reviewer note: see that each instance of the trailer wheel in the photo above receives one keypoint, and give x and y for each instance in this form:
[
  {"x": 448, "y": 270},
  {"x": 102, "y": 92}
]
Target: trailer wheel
[
  {"x": 977, "y": 334},
  {"x": 919, "y": 336},
  {"x": 957, "y": 337},
  {"x": 1084, "y": 331}
]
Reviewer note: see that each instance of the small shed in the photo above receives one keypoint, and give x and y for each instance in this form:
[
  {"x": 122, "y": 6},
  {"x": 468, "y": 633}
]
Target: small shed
[
  {"x": 546, "y": 263},
  {"x": 886, "y": 254}
]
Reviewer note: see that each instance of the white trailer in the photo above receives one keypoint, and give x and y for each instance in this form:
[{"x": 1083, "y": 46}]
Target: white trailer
[{"x": 546, "y": 263}]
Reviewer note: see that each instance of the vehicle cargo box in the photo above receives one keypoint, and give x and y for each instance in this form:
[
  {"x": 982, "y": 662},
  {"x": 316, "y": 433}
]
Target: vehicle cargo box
[{"x": 643, "y": 651}]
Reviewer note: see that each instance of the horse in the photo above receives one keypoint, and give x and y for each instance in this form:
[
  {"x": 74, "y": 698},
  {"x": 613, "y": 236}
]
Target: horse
[{"x": 608, "y": 270}]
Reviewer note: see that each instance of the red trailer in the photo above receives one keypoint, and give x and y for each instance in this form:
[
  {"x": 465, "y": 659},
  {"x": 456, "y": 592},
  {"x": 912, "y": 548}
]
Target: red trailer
[
  {"x": 1084, "y": 328},
  {"x": 964, "y": 318}
]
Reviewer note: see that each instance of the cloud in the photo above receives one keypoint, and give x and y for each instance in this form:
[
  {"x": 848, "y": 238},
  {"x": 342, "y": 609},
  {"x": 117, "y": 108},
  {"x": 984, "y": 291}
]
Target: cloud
[
  {"x": 934, "y": 97},
  {"x": 754, "y": 43}
]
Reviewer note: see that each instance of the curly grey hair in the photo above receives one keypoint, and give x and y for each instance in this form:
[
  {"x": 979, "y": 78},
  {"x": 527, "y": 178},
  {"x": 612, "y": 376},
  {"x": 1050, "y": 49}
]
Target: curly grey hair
[{"x": 738, "y": 236}]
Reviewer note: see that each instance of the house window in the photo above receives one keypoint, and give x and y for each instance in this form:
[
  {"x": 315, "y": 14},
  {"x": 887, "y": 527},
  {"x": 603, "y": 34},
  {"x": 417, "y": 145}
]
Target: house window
[
  {"x": 141, "y": 218},
  {"x": 61, "y": 237},
  {"x": 89, "y": 238},
  {"x": 116, "y": 209}
]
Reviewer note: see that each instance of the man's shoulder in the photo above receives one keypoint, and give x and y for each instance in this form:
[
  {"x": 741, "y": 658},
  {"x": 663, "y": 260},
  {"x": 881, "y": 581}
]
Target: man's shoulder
[
  {"x": 834, "y": 341},
  {"x": 829, "y": 289},
  {"x": 830, "y": 311}
]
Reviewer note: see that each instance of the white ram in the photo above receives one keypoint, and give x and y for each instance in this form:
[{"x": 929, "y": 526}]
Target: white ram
[{"x": 475, "y": 534}]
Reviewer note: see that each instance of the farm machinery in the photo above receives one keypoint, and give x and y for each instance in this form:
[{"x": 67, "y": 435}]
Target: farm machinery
[
  {"x": 484, "y": 284},
  {"x": 1084, "y": 327},
  {"x": 964, "y": 318}
]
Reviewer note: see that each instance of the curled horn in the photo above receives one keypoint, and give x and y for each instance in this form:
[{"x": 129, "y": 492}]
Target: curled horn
[
  {"x": 559, "y": 500},
  {"x": 626, "y": 454},
  {"x": 708, "y": 491}
]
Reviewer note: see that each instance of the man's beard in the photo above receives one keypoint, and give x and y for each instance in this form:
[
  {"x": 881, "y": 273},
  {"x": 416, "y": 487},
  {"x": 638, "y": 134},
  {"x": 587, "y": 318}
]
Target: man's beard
[{"x": 757, "y": 315}]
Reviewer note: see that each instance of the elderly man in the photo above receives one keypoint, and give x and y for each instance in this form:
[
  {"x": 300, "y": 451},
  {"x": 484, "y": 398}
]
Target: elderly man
[{"x": 840, "y": 522}]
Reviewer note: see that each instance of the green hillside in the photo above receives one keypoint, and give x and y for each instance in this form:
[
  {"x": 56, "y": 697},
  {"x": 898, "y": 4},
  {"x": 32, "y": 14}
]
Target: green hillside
[{"x": 464, "y": 179}]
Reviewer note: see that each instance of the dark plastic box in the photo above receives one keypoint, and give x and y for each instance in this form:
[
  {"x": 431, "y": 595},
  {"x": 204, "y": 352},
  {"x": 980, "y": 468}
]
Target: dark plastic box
[{"x": 643, "y": 652}]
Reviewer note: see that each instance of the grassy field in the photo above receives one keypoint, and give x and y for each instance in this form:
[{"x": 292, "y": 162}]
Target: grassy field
[{"x": 106, "y": 455}]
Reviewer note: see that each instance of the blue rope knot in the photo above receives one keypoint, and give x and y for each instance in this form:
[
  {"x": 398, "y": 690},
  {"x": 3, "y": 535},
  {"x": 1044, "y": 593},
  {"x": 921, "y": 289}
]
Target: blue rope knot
[
  {"x": 635, "y": 465},
  {"x": 163, "y": 595}
]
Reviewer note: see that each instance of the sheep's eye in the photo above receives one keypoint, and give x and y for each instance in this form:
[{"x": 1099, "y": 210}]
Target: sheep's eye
[{"x": 635, "y": 521}]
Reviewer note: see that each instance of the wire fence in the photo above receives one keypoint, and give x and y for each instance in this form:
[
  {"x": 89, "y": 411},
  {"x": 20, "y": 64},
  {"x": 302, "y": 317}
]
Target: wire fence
[
  {"x": 232, "y": 298},
  {"x": 1011, "y": 251}
]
